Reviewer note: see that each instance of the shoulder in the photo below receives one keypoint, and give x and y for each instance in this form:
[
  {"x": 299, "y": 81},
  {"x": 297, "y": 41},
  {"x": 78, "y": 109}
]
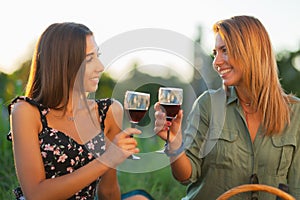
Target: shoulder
[
  {"x": 109, "y": 104},
  {"x": 22, "y": 107},
  {"x": 295, "y": 112},
  {"x": 210, "y": 95},
  {"x": 116, "y": 107},
  {"x": 295, "y": 101},
  {"x": 114, "y": 119},
  {"x": 116, "y": 104},
  {"x": 109, "y": 107},
  {"x": 295, "y": 107},
  {"x": 24, "y": 118}
]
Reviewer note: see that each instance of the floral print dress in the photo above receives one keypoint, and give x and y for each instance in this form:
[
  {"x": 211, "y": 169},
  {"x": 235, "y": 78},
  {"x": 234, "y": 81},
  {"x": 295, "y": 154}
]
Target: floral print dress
[{"x": 61, "y": 154}]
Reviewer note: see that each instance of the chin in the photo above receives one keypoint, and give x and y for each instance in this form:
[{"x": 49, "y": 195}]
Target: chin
[
  {"x": 227, "y": 83},
  {"x": 90, "y": 90}
]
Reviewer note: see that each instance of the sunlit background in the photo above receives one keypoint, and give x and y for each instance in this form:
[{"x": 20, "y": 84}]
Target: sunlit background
[
  {"x": 23, "y": 21},
  {"x": 144, "y": 69}
]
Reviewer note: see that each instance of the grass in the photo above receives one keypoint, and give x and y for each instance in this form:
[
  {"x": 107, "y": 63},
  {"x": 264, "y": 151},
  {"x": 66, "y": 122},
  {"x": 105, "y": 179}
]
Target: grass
[
  {"x": 160, "y": 184},
  {"x": 8, "y": 180}
]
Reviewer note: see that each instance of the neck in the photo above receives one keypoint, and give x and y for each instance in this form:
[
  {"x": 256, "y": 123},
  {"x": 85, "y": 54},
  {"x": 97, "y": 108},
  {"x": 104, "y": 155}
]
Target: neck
[
  {"x": 243, "y": 96},
  {"x": 77, "y": 102},
  {"x": 245, "y": 101},
  {"x": 73, "y": 102},
  {"x": 74, "y": 108}
]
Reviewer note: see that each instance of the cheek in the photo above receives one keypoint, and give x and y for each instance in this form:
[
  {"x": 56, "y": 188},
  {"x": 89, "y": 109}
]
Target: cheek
[
  {"x": 86, "y": 76},
  {"x": 88, "y": 70},
  {"x": 225, "y": 57}
]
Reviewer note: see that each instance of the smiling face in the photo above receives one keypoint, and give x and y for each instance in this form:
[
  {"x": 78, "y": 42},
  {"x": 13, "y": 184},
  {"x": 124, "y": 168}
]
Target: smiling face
[
  {"x": 231, "y": 75},
  {"x": 93, "y": 66}
]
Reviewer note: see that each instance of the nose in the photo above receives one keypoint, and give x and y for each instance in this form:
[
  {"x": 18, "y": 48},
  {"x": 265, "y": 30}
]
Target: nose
[
  {"x": 99, "y": 66},
  {"x": 218, "y": 60}
]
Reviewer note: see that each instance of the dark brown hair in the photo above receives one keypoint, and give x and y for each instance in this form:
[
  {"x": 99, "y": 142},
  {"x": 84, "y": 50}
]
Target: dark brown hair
[{"x": 57, "y": 59}]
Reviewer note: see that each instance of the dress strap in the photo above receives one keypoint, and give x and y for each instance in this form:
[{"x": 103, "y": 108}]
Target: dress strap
[
  {"x": 43, "y": 110},
  {"x": 103, "y": 106}
]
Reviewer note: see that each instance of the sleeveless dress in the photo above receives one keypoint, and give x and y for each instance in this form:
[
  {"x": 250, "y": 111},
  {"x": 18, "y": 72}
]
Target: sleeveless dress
[{"x": 63, "y": 155}]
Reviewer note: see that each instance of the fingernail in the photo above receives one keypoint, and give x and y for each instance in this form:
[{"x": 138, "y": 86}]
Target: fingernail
[{"x": 169, "y": 123}]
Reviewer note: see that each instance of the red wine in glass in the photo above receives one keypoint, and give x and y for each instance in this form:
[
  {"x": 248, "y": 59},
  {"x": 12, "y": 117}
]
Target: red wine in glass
[
  {"x": 170, "y": 109},
  {"x": 135, "y": 115}
]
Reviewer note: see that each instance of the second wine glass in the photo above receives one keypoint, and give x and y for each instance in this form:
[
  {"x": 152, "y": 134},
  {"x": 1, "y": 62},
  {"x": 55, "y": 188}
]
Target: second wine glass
[{"x": 170, "y": 100}]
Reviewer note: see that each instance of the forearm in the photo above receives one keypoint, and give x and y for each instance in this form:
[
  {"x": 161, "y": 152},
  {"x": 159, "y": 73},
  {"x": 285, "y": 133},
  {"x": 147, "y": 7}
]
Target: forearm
[
  {"x": 108, "y": 187},
  {"x": 111, "y": 192},
  {"x": 65, "y": 186},
  {"x": 181, "y": 167}
]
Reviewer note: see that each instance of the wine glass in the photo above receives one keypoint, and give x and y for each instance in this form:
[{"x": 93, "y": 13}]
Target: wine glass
[
  {"x": 136, "y": 105},
  {"x": 170, "y": 100}
]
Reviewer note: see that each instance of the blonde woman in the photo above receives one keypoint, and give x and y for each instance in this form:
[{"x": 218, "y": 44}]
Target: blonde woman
[{"x": 259, "y": 138}]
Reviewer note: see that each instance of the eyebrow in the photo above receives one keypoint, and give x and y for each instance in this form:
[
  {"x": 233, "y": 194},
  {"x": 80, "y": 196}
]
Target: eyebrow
[
  {"x": 89, "y": 54},
  {"x": 222, "y": 47}
]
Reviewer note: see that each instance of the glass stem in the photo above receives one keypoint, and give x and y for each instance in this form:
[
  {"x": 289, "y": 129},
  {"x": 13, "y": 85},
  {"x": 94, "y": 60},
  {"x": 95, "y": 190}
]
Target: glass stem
[
  {"x": 168, "y": 138},
  {"x": 133, "y": 125},
  {"x": 168, "y": 133}
]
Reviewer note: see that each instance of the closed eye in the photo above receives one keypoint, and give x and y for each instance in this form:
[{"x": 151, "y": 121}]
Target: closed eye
[{"x": 92, "y": 55}]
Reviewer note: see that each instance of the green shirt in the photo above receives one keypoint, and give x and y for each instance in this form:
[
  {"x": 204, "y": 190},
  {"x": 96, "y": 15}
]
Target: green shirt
[{"x": 233, "y": 157}]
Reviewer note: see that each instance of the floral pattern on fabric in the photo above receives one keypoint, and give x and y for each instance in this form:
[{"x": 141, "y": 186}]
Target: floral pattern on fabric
[{"x": 63, "y": 155}]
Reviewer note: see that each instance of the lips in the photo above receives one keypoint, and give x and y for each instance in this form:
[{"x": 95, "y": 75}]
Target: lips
[
  {"x": 224, "y": 71},
  {"x": 95, "y": 80}
]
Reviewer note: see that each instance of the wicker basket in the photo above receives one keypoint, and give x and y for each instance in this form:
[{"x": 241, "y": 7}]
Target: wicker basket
[{"x": 255, "y": 187}]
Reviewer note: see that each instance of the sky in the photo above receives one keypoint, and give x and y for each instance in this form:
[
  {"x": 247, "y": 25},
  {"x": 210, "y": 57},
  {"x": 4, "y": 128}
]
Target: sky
[{"x": 23, "y": 21}]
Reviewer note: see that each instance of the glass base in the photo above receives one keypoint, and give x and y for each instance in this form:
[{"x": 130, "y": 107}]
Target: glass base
[
  {"x": 134, "y": 157},
  {"x": 162, "y": 151}
]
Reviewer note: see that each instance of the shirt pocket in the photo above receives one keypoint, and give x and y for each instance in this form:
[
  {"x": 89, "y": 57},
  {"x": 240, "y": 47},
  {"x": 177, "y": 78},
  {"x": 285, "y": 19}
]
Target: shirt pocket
[
  {"x": 284, "y": 148},
  {"x": 225, "y": 150}
]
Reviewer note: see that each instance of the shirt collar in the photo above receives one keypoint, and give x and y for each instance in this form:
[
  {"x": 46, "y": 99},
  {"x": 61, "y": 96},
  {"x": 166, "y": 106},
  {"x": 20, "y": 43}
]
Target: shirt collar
[{"x": 231, "y": 95}]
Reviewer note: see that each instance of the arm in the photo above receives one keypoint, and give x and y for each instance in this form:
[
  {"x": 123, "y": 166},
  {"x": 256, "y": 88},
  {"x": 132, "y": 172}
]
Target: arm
[
  {"x": 25, "y": 124},
  {"x": 108, "y": 187},
  {"x": 180, "y": 164},
  {"x": 186, "y": 167},
  {"x": 293, "y": 178},
  {"x": 294, "y": 173}
]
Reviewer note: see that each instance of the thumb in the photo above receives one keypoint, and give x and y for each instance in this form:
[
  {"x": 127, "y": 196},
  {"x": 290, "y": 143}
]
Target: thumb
[{"x": 179, "y": 117}]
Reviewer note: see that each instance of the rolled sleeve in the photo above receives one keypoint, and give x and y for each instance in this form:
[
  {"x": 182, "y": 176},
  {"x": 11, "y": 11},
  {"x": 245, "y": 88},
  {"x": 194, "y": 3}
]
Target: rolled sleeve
[{"x": 195, "y": 133}]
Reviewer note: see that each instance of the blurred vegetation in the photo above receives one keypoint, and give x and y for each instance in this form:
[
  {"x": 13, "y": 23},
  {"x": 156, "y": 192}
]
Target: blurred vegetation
[
  {"x": 158, "y": 183},
  {"x": 289, "y": 71}
]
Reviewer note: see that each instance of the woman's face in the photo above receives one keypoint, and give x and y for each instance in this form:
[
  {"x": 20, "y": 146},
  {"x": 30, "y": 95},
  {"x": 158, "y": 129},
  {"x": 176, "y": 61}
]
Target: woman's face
[
  {"x": 231, "y": 75},
  {"x": 93, "y": 66}
]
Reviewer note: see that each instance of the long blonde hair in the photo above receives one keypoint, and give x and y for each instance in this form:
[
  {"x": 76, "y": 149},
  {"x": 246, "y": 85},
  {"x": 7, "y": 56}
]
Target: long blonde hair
[{"x": 249, "y": 47}]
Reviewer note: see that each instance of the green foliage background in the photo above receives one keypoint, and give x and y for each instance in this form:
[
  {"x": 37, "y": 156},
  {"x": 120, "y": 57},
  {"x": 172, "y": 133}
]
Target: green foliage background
[{"x": 159, "y": 183}]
